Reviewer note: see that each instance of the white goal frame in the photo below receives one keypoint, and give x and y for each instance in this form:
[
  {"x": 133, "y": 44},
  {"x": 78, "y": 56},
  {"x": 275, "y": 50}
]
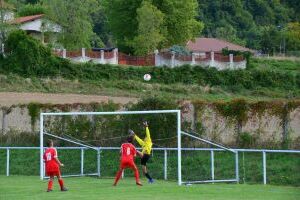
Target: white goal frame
[
  {"x": 42, "y": 133},
  {"x": 180, "y": 133}
]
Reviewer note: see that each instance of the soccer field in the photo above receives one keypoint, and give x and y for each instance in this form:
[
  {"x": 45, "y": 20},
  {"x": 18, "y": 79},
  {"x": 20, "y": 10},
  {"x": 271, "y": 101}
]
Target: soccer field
[{"x": 26, "y": 187}]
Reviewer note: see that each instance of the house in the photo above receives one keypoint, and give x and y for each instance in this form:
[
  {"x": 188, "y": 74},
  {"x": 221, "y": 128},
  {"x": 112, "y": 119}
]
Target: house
[
  {"x": 39, "y": 27},
  {"x": 204, "y": 52},
  {"x": 205, "y": 45}
]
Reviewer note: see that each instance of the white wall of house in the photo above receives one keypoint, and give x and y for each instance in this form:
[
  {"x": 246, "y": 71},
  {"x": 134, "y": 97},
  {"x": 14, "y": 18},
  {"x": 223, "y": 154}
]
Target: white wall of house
[{"x": 41, "y": 25}]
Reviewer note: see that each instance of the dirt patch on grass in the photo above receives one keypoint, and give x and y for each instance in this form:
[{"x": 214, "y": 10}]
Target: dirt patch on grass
[{"x": 13, "y": 98}]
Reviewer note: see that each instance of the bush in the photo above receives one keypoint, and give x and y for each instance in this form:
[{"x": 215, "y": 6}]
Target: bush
[
  {"x": 31, "y": 9},
  {"x": 27, "y": 56},
  {"x": 246, "y": 140}
]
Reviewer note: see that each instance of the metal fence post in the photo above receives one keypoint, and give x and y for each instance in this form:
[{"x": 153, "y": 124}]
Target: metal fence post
[
  {"x": 82, "y": 161},
  {"x": 212, "y": 165},
  {"x": 42, "y": 166},
  {"x": 237, "y": 176},
  {"x": 7, "y": 162},
  {"x": 98, "y": 162},
  {"x": 264, "y": 167},
  {"x": 165, "y": 164},
  {"x": 179, "y": 147}
]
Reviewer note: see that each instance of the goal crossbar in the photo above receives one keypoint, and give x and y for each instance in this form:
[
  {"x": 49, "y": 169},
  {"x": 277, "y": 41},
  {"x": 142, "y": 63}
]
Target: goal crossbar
[{"x": 111, "y": 113}]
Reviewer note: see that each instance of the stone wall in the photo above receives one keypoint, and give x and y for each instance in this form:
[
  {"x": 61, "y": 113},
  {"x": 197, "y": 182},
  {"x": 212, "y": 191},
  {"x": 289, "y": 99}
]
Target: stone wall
[{"x": 266, "y": 130}]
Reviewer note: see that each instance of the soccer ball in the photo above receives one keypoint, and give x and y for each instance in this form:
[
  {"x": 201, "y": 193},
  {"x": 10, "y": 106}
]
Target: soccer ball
[{"x": 147, "y": 77}]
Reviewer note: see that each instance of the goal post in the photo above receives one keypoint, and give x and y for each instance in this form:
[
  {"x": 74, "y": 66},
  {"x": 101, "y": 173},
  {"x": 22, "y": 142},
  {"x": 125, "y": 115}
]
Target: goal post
[{"x": 43, "y": 132}]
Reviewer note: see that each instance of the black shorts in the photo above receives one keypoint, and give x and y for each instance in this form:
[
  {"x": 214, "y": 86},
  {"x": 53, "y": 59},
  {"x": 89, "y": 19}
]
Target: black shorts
[{"x": 145, "y": 159}]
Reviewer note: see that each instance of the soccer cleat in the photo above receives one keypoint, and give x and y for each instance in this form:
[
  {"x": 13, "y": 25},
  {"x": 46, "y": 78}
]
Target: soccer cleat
[
  {"x": 151, "y": 181},
  {"x": 139, "y": 184},
  {"x": 114, "y": 184},
  {"x": 64, "y": 189},
  {"x": 49, "y": 190}
]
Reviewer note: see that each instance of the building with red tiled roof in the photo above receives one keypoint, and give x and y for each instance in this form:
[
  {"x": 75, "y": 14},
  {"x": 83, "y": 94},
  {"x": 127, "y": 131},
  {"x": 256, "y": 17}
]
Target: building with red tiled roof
[
  {"x": 25, "y": 19},
  {"x": 202, "y": 45},
  {"x": 39, "y": 27}
]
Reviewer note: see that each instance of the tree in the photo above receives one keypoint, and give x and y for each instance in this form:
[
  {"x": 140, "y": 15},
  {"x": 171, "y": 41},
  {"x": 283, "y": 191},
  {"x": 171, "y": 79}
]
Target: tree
[
  {"x": 270, "y": 39},
  {"x": 121, "y": 21},
  {"x": 246, "y": 18},
  {"x": 292, "y": 35},
  {"x": 149, "y": 34},
  {"x": 100, "y": 29},
  {"x": 228, "y": 33},
  {"x": 75, "y": 18},
  {"x": 31, "y": 9},
  {"x": 178, "y": 22}
]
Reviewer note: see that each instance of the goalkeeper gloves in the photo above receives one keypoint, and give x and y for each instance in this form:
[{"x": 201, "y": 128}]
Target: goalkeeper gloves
[{"x": 145, "y": 123}]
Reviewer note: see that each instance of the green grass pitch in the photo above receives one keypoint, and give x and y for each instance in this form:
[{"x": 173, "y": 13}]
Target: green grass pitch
[{"x": 30, "y": 187}]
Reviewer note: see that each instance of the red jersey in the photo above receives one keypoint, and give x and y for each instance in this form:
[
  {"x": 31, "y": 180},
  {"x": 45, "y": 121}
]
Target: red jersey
[
  {"x": 49, "y": 158},
  {"x": 128, "y": 152}
]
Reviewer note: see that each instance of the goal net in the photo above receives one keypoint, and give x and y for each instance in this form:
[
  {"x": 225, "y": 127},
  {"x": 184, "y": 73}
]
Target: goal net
[
  {"x": 205, "y": 161},
  {"x": 88, "y": 144}
]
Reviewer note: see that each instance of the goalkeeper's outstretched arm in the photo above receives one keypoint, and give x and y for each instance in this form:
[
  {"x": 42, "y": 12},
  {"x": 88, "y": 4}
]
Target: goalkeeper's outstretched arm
[
  {"x": 139, "y": 140},
  {"x": 148, "y": 136}
]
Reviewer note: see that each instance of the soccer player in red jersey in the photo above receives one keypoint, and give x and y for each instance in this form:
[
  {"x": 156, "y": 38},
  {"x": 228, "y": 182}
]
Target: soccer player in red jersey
[
  {"x": 52, "y": 166},
  {"x": 128, "y": 152}
]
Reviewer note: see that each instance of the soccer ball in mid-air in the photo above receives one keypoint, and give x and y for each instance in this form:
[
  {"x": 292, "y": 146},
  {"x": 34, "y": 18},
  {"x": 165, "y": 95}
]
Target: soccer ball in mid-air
[{"x": 147, "y": 77}]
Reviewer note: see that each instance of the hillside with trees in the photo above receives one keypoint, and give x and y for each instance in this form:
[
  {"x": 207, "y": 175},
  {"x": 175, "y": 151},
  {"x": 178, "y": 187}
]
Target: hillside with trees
[{"x": 139, "y": 26}]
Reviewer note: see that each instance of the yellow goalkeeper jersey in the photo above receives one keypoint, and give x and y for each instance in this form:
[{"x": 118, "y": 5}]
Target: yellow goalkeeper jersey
[{"x": 146, "y": 144}]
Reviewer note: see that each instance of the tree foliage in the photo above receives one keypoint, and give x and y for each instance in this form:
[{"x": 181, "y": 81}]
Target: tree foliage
[
  {"x": 256, "y": 23},
  {"x": 26, "y": 55},
  {"x": 75, "y": 18},
  {"x": 127, "y": 22},
  {"x": 293, "y": 36},
  {"x": 267, "y": 25},
  {"x": 31, "y": 9},
  {"x": 149, "y": 35}
]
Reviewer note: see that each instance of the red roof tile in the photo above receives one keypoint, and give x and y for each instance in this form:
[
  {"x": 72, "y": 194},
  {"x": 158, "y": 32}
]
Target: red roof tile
[
  {"x": 21, "y": 20},
  {"x": 213, "y": 44}
]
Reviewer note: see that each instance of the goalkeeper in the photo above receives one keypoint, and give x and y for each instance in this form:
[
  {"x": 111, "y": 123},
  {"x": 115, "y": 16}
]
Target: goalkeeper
[{"x": 146, "y": 145}]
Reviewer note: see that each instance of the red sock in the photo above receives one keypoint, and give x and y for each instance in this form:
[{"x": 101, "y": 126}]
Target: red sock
[
  {"x": 61, "y": 183},
  {"x": 118, "y": 176},
  {"x": 50, "y": 184}
]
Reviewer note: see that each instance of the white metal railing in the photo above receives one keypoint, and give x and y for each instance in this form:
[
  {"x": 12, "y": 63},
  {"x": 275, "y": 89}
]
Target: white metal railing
[{"x": 165, "y": 157}]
